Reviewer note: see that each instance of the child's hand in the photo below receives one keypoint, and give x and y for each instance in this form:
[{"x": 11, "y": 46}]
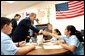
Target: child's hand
[
  {"x": 22, "y": 43},
  {"x": 58, "y": 42},
  {"x": 62, "y": 41}
]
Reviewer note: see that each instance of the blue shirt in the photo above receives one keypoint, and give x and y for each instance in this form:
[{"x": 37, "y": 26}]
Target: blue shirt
[
  {"x": 7, "y": 45},
  {"x": 73, "y": 40},
  {"x": 53, "y": 39}
]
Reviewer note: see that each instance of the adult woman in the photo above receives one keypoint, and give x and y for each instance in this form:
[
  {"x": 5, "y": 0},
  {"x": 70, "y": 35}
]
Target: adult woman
[{"x": 49, "y": 29}]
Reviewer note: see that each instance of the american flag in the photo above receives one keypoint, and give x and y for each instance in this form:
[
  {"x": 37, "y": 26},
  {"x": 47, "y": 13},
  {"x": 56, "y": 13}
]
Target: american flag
[{"x": 69, "y": 9}]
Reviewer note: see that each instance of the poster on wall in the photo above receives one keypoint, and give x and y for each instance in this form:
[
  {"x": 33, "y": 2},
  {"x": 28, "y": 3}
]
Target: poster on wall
[{"x": 42, "y": 16}]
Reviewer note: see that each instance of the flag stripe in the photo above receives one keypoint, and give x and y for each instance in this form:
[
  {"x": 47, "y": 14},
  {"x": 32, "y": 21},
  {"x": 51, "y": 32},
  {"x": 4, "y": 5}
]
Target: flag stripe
[
  {"x": 71, "y": 12},
  {"x": 66, "y": 17},
  {"x": 75, "y": 3},
  {"x": 72, "y": 1},
  {"x": 75, "y": 8},
  {"x": 79, "y": 9},
  {"x": 70, "y": 15}
]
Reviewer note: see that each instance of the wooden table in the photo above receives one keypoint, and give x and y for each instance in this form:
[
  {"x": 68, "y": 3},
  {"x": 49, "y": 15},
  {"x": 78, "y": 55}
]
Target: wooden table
[
  {"x": 49, "y": 52},
  {"x": 42, "y": 51}
]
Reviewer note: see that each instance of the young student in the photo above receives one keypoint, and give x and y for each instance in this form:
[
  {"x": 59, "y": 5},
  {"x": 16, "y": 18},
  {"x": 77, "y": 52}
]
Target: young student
[
  {"x": 56, "y": 31},
  {"x": 7, "y": 45},
  {"x": 72, "y": 40}
]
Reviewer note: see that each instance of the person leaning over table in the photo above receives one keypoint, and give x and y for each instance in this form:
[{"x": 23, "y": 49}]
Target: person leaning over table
[
  {"x": 21, "y": 32},
  {"x": 72, "y": 40},
  {"x": 7, "y": 45}
]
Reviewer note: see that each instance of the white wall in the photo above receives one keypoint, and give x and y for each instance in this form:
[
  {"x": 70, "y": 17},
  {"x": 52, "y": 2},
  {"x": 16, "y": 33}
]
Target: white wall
[{"x": 78, "y": 22}]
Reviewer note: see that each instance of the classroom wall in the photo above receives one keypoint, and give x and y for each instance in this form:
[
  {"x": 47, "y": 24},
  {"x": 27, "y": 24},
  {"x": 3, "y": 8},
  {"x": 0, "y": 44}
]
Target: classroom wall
[{"x": 46, "y": 10}]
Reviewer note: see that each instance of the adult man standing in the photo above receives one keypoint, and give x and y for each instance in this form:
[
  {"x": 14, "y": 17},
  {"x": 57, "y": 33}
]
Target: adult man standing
[
  {"x": 21, "y": 32},
  {"x": 14, "y": 22}
]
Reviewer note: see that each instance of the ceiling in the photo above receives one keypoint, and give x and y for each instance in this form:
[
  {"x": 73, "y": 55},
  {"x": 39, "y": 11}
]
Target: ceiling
[{"x": 7, "y": 8}]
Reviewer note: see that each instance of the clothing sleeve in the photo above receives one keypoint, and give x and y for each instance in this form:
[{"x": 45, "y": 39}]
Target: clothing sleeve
[
  {"x": 8, "y": 47},
  {"x": 63, "y": 37},
  {"x": 31, "y": 26},
  {"x": 14, "y": 23},
  {"x": 74, "y": 41},
  {"x": 53, "y": 39},
  {"x": 71, "y": 41},
  {"x": 34, "y": 29}
]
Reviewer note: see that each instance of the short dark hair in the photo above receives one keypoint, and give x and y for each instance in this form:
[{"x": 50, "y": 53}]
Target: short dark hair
[
  {"x": 57, "y": 31},
  {"x": 17, "y": 15},
  {"x": 49, "y": 24},
  {"x": 4, "y": 21},
  {"x": 32, "y": 14}
]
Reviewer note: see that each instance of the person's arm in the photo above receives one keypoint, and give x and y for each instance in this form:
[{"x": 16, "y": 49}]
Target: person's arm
[
  {"x": 28, "y": 24},
  {"x": 24, "y": 50},
  {"x": 34, "y": 29},
  {"x": 54, "y": 35},
  {"x": 73, "y": 44},
  {"x": 9, "y": 48},
  {"x": 51, "y": 34},
  {"x": 20, "y": 44},
  {"x": 71, "y": 48}
]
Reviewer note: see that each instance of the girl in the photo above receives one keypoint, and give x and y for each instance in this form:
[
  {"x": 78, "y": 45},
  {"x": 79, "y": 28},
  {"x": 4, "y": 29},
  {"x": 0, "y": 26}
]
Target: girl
[
  {"x": 56, "y": 31},
  {"x": 72, "y": 40}
]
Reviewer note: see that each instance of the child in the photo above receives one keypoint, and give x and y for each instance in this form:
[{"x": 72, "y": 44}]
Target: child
[
  {"x": 72, "y": 40},
  {"x": 7, "y": 45},
  {"x": 56, "y": 31}
]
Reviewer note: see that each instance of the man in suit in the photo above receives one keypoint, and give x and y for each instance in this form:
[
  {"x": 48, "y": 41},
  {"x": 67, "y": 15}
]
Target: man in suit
[
  {"x": 21, "y": 31},
  {"x": 14, "y": 22}
]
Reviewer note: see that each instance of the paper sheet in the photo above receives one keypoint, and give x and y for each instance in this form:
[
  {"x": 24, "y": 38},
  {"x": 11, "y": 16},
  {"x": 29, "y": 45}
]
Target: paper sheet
[
  {"x": 48, "y": 43},
  {"x": 52, "y": 47},
  {"x": 37, "y": 47}
]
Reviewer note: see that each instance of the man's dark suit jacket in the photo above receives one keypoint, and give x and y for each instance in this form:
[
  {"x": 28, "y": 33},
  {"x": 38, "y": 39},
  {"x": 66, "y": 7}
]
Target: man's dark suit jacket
[
  {"x": 14, "y": 25},
  {"x": 21, "y": 31}
]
